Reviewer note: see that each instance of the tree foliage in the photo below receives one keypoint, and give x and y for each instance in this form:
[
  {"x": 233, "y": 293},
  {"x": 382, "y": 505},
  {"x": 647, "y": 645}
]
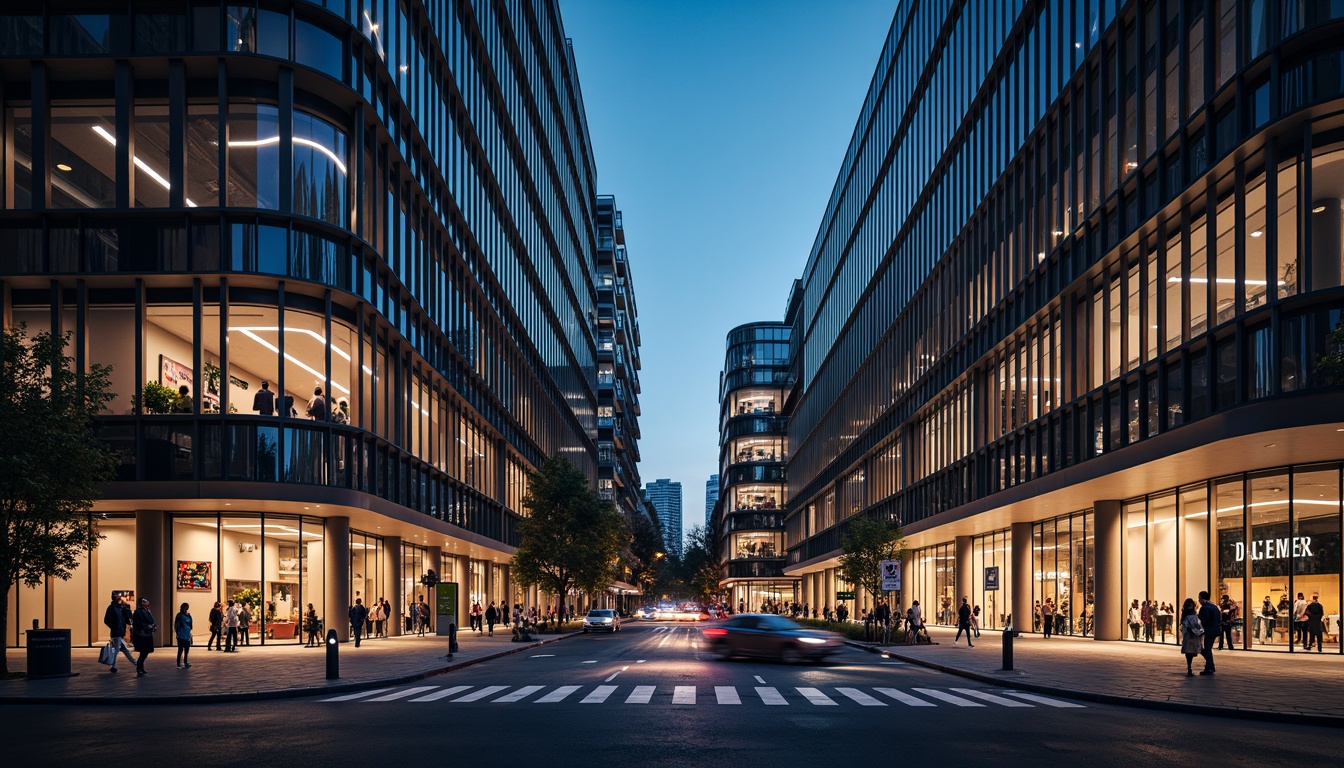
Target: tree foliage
[
  {"x": 51, "y": 465},
  {"x": 864, "y": 544},
  {"x": 644, "y": 556},
  {"x": 570, "y": 539},
  {"x": 1330, "y": 367},
  {"x": 701, "y": 566}
]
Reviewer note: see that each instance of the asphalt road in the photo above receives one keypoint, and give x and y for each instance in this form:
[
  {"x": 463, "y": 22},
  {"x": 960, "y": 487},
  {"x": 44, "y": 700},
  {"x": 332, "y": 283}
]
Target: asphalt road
[{"x": 652, "y": 694}]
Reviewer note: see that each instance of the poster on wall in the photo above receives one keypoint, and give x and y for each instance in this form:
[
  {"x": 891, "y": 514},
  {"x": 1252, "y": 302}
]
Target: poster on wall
[
  {"x": 194, "y": 575},
  {"x": 173, "y": 374}
]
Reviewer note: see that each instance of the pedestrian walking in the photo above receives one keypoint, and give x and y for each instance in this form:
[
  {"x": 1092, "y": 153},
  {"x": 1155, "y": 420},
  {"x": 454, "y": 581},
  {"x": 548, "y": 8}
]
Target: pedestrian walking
[
  {"x": 975, "y": 621},
  {"x": 964, "y": 622},
  {"x": 312, "y": 625},
  {"x": 1315, "y": 623},
  {"x": 117, "y": 617},
  {"x": 244, "y": 623},
  {"x": 231, "y": 627},
  {"x": 216, "y": 628},
  {"x": 477, "y": 614},
  {"x": 182, "y": 631},
  {"x": 422, "y": 614},
  {"x": 491, "y": 617},
  {"x": 1211, "y": 619},
  {"x": 358, "y": 615},
  {"x": 142, "y": 634},
  {"x": 1048, "y": 617},
  {"x": 1192, "y": 635}
]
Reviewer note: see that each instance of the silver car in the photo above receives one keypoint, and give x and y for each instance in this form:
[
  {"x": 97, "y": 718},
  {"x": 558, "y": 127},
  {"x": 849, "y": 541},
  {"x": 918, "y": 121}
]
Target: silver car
[{"x": 601, "y": 620}]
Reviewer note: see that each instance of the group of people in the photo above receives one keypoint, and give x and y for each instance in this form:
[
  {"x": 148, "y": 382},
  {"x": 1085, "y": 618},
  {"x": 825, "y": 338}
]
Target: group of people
[
  {"x": 265, "y": 400},
  {"x": 1153, "y": 619},
  {"x": 371, "y": 620},
  {"x": 230, "y": 626}
]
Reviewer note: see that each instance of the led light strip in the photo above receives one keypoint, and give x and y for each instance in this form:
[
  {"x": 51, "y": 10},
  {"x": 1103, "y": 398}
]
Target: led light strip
[
  {"x": 110, "y": 139},
  {"x": 250, "y": 333},
  {"x": 297, "y": 140}
]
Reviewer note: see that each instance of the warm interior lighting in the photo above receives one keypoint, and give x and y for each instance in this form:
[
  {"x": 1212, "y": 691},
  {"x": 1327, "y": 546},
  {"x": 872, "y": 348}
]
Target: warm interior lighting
[
  {"x": 251, "y": 333},
  {"x": 297, "y": 140},
  {"x": 1223, "y": 281},
  {"x": 1256, "y": 233},
  {"x": 63, "y": 167},
  {"x": 150, "y": 172},
  {"x": 1318, "y": 209}
]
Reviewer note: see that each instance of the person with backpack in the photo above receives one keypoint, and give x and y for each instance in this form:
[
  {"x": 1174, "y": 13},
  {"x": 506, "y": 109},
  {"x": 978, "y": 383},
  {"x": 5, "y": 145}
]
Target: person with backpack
[{"x": 117, "y": 617}]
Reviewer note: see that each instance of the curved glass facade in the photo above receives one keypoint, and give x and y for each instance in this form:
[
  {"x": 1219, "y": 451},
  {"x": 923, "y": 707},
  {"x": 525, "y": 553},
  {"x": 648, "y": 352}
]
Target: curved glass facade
[{"x": 1113, "y": 256}]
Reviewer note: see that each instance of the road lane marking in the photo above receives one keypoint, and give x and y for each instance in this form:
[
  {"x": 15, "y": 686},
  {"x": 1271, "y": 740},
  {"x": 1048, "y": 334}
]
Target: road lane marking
[
  {"x": 594, "y": 661},
  {"x": 489, "y": 690},
  {"x": 614, "y": 674},
  {"x": 641, "y": 695},
  {"x": 991, "y": 698},
  {"x": 771, "y": 697},
  {"x": 817, "y": 697},
  {"x": 861, "y": 697},
  {"x": 683, "y": 694},
  {"x": 599, "y": 694},
  {"x": 904, "y": 698},
  {"x": 949, "y": 698},
  {"x": 445, "y": 693},
  {"x": 542, "y": 656},
  {"x": 360, "y": 695},
  {"x": 726, "y": 694},
  {"x": 760, "y": 680},
  {"x": 639, "y": 661},
  {"x": 518, "y": 695},
  {"x": 666, "y": 637},
  {"x": 1046, "y": 701},
  {"x": 403, "y": 693},
  {"x": 894, "y": 663},
  {"x": 558, "y": 694}
]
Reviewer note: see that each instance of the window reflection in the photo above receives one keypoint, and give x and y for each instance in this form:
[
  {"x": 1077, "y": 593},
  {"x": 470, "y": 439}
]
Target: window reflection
[
  {"x": 83, "y": 157},
  {"x": 254, "y": 156}
]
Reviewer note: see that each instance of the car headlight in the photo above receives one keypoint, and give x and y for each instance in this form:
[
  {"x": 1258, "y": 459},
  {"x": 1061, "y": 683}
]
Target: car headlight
[{"x": 811, "y": 640}]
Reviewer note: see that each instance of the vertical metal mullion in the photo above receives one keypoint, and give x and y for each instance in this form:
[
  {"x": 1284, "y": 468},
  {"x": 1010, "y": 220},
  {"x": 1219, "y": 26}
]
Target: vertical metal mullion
[
  {"x": 124, "y": 180},
  {"x": 177, "y": 134},
  {"x": 286, "y": 150},
  {"x": 226, "y": 433},
  {"x": 139, "y": 377},
  {"x": 40, "y": 175}
]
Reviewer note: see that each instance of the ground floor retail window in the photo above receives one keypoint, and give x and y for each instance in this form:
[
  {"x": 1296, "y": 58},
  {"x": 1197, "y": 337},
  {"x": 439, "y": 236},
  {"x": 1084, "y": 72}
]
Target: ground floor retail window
[
  {"x": 991, "y": 579},
  {"x": 1063, "y": 589},
  {"x": 932, "y": 579}
]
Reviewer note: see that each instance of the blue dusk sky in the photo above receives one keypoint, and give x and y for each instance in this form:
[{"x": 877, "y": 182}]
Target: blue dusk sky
[{"x": 719, "y": 125}]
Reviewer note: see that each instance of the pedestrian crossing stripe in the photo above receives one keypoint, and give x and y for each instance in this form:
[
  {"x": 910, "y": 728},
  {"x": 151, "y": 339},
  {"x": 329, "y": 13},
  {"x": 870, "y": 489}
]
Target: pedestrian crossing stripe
[{"x": 686, "y": 695}]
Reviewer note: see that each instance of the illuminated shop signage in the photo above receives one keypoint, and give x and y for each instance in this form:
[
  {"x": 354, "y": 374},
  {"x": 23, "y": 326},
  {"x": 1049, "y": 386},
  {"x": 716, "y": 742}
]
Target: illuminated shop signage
[{"x": 1277, "y": 550}]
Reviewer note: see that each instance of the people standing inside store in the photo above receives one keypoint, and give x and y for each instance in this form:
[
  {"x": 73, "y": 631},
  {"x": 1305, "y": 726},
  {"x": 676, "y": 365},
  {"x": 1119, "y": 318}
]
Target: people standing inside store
[
  {"x": 216, "y": 628},
  {"x": 1299, "y": 622},
  {"x": 1146, "y": 616},
  {"x": 264, "y": 401},
  {"x": 1135, "y": 619},
  {"x": 491, "y": 617},
  {"x": 358, "y": 615},
  {"x": 117, "y": 617},
  {"x": 1268, "y": 617},
  {"x": 1211, "y": 619},
  {"x": 1192, "y": 635},
  {"x": 964, "y": 622},
  {"x": 317, "y": 407},
  {"x": 1048, "y": 617},
  {"x": 244, "y": 623},
  {"x": 312, "y": 625},
  {"x": 182, "y": 631},
  {"x": 142, "y": 634},
  {"x": 377, "y": 617},
  {"x": 231, "y": 627},
  {"x": 422, "y": 612},
  {"x": 1315, "y": 624}
]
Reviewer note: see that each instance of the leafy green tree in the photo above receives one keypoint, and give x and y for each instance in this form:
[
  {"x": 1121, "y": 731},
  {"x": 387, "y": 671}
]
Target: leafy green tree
[
  {"x": 701, "y": 564},
  {"x": 570, "y": 539},
  {"x": 51, "y": 464},
  {"x": 864, "y": 544},
  {"x": 644, "y": 556},
  {"x": 1330, "y": 367}
]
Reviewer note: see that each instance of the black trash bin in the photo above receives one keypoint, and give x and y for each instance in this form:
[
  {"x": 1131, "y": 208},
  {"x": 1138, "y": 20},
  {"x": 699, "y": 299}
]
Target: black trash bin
[{"x": 48, "y": 653}]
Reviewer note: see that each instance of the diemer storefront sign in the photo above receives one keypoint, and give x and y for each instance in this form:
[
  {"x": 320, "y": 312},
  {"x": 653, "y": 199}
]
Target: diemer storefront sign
[{"x": 1277, "y": 550}]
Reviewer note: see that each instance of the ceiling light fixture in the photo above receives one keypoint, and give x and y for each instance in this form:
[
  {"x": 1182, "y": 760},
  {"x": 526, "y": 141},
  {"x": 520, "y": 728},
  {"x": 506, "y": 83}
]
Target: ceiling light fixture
[
  {"x": 64, "y": 167},
  {"x": 1256, "y": 233},
  {"x": 1318, "y": 209}
]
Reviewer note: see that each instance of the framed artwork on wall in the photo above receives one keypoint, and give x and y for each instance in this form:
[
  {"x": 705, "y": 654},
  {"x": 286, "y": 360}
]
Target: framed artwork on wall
[{"x": 194, "y": 575}]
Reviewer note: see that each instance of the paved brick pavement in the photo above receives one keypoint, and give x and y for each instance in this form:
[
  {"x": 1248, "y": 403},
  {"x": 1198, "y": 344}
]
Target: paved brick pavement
[
  {"x": 1276, "y": 686},
  {"x": 272, "y": 671}
]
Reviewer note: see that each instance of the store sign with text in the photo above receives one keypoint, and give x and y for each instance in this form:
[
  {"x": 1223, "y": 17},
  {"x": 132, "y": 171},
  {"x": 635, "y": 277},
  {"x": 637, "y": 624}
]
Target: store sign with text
[{"x": 1276, "y": 550}]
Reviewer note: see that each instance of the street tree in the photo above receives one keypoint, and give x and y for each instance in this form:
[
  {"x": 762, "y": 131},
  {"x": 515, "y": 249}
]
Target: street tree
[
  {"x": 701, "y": 564},
  {"x": 645, "y": 556},
  {"x": 52, "y": 465},
  {"x": 570, "y": 538},
  {"x": 864, "y": 544}
]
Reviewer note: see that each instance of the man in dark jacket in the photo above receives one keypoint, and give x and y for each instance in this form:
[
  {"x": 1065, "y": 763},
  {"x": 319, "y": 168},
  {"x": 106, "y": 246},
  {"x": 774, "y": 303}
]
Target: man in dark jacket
[
  {"x": 264, "y": 401},
  {"x": 358, "y": 615},
  {"x": 964, "y": 622},
  {"x": 1211, "y": 618},
  {"x": 117, "y": 617},
  {"x": 143, "y": 628}
]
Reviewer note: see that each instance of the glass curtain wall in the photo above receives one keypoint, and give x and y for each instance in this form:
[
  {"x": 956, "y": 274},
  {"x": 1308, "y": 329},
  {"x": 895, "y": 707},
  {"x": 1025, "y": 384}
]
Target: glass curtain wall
[
  {"x": 933, "y": 582},
  {"x": 1063, "y": 553},
  {"x": 368, "y": 570},
  {"x": 991, "y": 551}
]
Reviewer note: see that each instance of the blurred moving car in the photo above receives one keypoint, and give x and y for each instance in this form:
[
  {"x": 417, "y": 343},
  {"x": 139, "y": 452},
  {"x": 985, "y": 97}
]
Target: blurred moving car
[
  {"x": 685, "y": 613},
  {"x": 647, "y": 613},
  {"x": 768, "y": 636},
  {"x": 601, "y": 620}
]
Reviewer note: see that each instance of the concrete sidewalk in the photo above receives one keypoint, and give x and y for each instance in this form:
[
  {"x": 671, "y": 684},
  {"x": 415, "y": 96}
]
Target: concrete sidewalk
[
  {"x": 255, "y": 672},
  {"x": 1301, "y": 688}
]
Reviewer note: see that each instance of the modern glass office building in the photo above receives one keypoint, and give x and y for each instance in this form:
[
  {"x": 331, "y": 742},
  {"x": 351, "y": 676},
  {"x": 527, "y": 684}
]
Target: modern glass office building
[
  {"x": 391, "y": 203},
  {"x": 1073, "y": 315},
  {"x": 748, "y": 517},
  {"x": 664, "y": 496}
]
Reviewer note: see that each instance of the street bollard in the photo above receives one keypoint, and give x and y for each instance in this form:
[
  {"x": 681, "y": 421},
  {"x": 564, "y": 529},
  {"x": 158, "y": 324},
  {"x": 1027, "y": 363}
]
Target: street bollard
[
  {"x": 333, "y": 659},
  {"x": 1008, "y": 634},
  {"x": 452, "y": 639}
]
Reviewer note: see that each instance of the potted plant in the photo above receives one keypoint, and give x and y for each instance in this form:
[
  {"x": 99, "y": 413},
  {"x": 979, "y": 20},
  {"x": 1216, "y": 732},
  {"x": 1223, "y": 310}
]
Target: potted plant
[{"x": 156, "y": 398}]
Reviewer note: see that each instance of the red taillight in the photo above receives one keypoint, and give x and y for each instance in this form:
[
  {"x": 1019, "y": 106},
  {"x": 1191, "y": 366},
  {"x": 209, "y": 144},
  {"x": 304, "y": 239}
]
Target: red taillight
[{"x": 714, "y": 631}]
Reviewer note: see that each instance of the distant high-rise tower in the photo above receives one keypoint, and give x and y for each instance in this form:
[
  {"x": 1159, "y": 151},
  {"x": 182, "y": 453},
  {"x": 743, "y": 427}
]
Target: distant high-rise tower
[
  {"x": 711, "y": 496},
  {"x": 665, "y": 496}
]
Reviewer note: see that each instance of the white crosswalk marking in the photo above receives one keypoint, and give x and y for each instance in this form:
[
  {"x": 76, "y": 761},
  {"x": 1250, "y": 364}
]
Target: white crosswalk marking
[
  {"x": 360, "y": 695},
  {"x": 772, "y": 697},
  {"x": 403, "y": 693},
  {"x": 726, "y": 694},
  {"x": 599, "y": 694},
  {"x": 558, "y": 694},
  {"x": 489, "y": 690},
  {"x": 641, "y": 695},
  {"x": 949, "y": 698},
  {"x": 445, "y": 693},
  {"x": 861, "y": 697},
  {"x": 518, "y": 695},
  {"x": 991, "y": 698},
  {"x": 1046, "y": 701},
  {"x": 683, "y": 694},
  {"x": 904, "y": 698},
  {"x": 817, "y": 697}
]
